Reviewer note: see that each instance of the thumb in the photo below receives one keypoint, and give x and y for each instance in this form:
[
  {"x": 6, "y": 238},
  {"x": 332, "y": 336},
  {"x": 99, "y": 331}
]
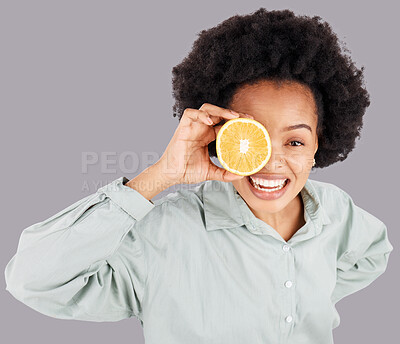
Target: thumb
[{"x": 218, "y": 173}]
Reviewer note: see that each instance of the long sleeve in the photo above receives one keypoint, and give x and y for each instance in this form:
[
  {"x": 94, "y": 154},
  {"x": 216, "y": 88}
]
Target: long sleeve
[
  {"x": 360, "y": 266},
  {"x": 85, "y": 262}
]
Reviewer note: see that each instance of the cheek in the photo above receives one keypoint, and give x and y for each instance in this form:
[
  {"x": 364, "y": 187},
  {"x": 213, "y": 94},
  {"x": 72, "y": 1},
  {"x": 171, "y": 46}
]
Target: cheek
[
  {"x": 240, "y": 184},
  {"x": 243, "y": 186},
  {"x": 299, "y": 161}
]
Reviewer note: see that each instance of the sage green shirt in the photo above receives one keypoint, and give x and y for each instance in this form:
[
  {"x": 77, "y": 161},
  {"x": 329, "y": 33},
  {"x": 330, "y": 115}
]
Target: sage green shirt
[{"x": 197, "y": 266}]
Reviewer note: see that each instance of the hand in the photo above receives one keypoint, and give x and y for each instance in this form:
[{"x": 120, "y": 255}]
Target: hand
[{"x": 186, "y": 159}]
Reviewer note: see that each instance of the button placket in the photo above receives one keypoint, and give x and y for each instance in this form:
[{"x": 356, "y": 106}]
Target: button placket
[
  {"x": 288, "y": 284},
  {"x": 288, "y": 317}
]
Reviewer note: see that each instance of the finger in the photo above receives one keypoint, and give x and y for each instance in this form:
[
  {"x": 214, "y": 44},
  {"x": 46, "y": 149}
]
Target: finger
[
  {"x": 217, "y": 173},
  {"x": 217, "y": 128},
  {"x": 246, "y": 115},
  {"x": 193, "y": 115},
  {"x": 242, "y": 115},
  {"x": 216, "y": 112},
  {"x": 204, "y": 117}
]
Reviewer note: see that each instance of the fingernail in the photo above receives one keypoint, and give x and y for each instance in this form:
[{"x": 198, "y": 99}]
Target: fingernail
[{"x": 234, "y": 113}]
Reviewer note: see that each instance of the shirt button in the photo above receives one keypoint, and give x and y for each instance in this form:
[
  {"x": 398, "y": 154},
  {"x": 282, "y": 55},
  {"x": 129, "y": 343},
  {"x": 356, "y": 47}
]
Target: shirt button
[
  {"x": 286, "y": 248},
  {"x": 288, "y": 284},
  {"x": 289, "y": 319}
]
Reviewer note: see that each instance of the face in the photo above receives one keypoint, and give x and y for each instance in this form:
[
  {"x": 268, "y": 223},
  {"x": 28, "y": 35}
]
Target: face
[{"x": 278, "y": 107}]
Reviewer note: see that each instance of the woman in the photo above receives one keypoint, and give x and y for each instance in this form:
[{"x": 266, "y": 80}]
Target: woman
[{"x": 259, "y": 259}]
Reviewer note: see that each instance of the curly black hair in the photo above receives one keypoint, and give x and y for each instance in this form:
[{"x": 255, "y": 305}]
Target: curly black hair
[{"x": 277, "y": 45}]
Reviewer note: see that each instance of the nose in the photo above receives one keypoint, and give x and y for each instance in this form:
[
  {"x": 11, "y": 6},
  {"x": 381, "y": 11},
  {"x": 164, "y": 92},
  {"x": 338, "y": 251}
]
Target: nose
[{"x": 275, "y": 163}]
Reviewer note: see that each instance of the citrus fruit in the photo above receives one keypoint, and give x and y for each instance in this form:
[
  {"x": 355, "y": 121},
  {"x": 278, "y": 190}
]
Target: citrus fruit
[{"x": 243, "y": 146}]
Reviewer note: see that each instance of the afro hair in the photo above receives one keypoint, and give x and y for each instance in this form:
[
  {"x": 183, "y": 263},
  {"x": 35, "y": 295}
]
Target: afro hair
[{"x": 279, "y": 46}]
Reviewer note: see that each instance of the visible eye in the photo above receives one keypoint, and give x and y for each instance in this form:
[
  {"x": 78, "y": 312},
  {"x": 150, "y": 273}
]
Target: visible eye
[{"x": 297, "y": 145}]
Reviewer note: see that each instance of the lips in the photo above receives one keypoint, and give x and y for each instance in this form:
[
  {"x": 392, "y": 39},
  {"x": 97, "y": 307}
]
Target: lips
[
  {"x": 267, "y": 183},
  {"x": 265, "y": 195},
  {"x": 269, "y": 176}
]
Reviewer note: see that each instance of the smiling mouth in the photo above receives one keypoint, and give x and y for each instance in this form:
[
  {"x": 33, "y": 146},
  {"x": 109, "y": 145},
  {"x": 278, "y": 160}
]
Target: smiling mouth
[{"x": 267, "y": 188}]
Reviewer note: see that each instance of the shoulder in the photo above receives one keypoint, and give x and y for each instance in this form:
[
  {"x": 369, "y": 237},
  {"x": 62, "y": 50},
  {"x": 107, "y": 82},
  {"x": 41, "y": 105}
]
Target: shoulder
[
  {"x": 328, "y": 192},
  {"x": 354, "y": 227},
  {"x": 181, "y": 208},
  {"x": 340, "y": 202},
  {"x": 185, "y": 198}
]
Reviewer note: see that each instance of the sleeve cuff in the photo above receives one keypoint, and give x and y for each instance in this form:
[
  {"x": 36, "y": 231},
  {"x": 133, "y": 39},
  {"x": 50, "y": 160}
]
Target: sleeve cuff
[{"x": 130, "y": 200}]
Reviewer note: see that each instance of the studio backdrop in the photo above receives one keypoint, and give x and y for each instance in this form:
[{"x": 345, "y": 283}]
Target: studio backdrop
[{"x": 86, "y": 98}]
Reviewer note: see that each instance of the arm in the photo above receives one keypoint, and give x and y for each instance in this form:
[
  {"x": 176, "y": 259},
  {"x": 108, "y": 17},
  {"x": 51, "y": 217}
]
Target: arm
[
  {"x": 358, "y": 268},
  {"x": 85, "y": 262}
]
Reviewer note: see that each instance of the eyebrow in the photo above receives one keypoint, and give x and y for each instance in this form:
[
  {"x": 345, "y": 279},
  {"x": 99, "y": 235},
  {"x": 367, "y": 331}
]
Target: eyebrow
[{"x": 297, "y": 126}]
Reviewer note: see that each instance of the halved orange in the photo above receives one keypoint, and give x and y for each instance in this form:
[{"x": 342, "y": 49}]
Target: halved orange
[{"x": 243, "y": 146}]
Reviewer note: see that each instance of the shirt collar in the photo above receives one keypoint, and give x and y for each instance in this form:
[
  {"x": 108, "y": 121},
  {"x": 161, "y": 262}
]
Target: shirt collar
[{"x": 224, "y": 208}]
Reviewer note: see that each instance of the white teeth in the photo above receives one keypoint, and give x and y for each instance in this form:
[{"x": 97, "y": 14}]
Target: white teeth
[
  {"x": 268, "y": 190},
  {"x": 267, "y": 182}
]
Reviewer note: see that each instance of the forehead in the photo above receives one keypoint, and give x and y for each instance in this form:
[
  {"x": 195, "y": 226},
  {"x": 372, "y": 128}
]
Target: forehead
[{"x": 276, "y": 104}]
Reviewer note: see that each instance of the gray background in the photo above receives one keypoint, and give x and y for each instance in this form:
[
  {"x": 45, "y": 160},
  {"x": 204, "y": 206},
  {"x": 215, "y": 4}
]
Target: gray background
[{"x": 95, "y": 76}]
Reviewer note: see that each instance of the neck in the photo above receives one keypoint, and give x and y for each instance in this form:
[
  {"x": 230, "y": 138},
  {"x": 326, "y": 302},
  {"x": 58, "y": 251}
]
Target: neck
[{"x": 287, "y": 221}]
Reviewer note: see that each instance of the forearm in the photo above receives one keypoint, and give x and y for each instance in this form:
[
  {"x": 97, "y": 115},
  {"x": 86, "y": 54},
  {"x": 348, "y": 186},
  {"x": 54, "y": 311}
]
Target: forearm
[
  {"x": 68, "y": 265},
  {"x": 150, "y": 182}
]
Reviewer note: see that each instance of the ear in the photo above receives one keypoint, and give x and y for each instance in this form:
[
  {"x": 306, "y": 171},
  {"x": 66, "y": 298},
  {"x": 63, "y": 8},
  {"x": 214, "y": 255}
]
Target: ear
[{"x": 316, "y": 145}]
